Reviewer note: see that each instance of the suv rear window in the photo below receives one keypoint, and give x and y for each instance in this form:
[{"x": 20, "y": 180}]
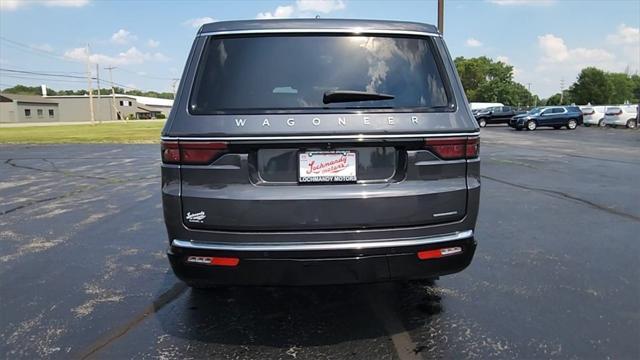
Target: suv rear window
[{"x": 263, "y": 73}]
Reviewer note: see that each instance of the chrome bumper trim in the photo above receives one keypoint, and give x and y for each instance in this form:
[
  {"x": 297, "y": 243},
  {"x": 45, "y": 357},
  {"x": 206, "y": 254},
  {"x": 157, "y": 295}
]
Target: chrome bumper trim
[{"x": 298, "y": 246}]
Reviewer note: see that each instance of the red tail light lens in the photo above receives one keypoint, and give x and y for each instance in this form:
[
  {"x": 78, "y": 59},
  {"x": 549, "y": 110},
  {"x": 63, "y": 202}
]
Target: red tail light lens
[
  {"x": 192, "y": 153},
  {"x": 454, "y": 148},
  {"x": 170, "y": 152},
  {"x": 198, "y": 153},
  {"x": 473, "y": 147}
]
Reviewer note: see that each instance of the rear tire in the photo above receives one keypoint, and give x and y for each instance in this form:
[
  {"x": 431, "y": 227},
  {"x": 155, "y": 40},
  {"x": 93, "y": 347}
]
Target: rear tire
[
  {"x": 572, "y": 124},
  {"x": 482, "y": 123},
  {"x": 586, "y": 125},
  {"x": 601, "y": 123},
  {"x": 631, "y": 124},
  {"x": 531, "y": 125}
]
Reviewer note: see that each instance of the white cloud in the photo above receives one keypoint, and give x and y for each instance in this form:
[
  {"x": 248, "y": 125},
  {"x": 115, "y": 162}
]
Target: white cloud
[
  {"x": 280, "y": 12},
  {"x": 153, "y": 43},
  {"x": 320, "y": 6},
  {"x": 16, "y": 4},
  {"x": 197, "y": 22},
  {"x": 553, "y": 48},
  {"x": 131, "y": 56},
  {"x": 556, "y": 51},
  {"x": 503, "y": 59},
  {"x": 122, "y": 36},
  {"x": 625, "y": 35},
  {"x": 303, "y": 8},
  {"x": 559, "y": 60},
  {"x": 471, "y": 42},
  {"x": 523, "y": 2}
]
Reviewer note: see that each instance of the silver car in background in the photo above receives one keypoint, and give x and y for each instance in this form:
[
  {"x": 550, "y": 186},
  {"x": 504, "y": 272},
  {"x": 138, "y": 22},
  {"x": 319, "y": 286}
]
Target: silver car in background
[
  {"x": 593, "y": 115},
  {"x": 623, "y": 115}
]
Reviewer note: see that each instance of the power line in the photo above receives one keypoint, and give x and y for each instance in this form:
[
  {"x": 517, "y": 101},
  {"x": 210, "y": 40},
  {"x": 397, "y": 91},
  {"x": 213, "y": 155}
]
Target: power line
[
  {"x": 41, "y": 79},
  {"x": 22, "y": 46},
  {"x": 41, "y": 73},
  {"x": 63, "y": 76}
]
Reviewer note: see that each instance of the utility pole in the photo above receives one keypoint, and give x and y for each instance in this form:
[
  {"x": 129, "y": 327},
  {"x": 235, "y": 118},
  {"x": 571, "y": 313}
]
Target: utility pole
[
  {"x": 93, "y": 118},
  {"x": 561, "y": 90},
  {"x": 173, "y": 87},
  {"x": 99, "y": 97},
  {"x": 441, "y": 16},
  {"x": 113, "y": 94}
]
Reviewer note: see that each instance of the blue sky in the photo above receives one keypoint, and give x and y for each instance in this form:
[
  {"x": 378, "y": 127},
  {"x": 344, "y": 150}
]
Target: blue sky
[{"x": 148, "y": 41}]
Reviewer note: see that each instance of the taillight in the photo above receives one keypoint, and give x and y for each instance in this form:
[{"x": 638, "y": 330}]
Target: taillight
[
  {"x": 454, "y": 147},
  {"x": 192, "y": 152},
  {"x": 170, "y": 152},
  {"x": 199, "y": 153}
]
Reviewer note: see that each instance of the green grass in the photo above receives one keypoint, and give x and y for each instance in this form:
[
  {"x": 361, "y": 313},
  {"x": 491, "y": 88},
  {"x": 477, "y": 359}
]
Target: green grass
[{"x": 137, "y": 132}]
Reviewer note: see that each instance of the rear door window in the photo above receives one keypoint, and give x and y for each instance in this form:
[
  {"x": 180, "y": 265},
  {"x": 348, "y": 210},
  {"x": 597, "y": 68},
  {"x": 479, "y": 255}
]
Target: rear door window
[{"x": 270, "y": 73}]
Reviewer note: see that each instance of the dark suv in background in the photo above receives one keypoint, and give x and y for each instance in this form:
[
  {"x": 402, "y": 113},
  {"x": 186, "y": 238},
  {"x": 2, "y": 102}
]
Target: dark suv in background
[
  {"x": 319, "y": 152},
  {"x": 553, "y": 116},
  {"x": 496, "y": 115}
]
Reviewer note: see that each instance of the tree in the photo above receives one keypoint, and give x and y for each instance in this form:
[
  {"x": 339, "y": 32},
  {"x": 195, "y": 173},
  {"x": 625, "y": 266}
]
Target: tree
[
  {"x": 621, "y": 88},
  {"x": 27, "y": 90},
  {"x": 491, "y": 81},
  {"x": 592, "y": 86}
]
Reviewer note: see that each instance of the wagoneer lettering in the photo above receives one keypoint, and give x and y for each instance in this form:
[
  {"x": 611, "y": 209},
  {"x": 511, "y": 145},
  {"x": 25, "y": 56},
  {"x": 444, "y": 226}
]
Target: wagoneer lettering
[{"x": 353, "y": 159}]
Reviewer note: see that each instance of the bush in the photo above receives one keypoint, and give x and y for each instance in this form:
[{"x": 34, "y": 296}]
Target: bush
[{"x": 161, "y": 116}]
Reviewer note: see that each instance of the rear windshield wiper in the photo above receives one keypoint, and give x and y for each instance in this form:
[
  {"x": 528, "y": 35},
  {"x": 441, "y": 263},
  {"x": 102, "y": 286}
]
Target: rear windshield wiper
[{"x": 337, "y": 96}]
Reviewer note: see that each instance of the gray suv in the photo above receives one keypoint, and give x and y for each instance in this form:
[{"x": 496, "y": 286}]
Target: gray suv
[{"x": 319, "y": 152}]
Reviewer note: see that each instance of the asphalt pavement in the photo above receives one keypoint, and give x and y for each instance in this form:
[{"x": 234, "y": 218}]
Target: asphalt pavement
[{"x": 83, "y": 271}]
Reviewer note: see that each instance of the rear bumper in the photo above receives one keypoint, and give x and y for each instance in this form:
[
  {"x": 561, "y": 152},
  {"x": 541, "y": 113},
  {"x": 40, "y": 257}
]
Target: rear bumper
[{"x": 318, "y": 264}]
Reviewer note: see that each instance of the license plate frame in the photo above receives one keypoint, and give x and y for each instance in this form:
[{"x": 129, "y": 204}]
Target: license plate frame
[{"x": 334, "y": 166}]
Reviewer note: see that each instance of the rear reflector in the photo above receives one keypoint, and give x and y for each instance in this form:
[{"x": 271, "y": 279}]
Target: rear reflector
[
  {"x": 454, "y": 148},
  {"x": 192, "y": 153},
  {"x": 438, "y": 253},
  {"x": 215, "y": 261}
]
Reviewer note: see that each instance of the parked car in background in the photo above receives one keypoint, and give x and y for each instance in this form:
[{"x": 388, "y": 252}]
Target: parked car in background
[
  {"x": 496, "y": 115},
  {"x": 554, "y": 116},
  {"x": 623, "y": 115},
  {"x": 293, "y": 169},
  {"x": 593, "y": 115},
  {"x": 514, "y": 120},
  {"x": 483, "y": 105}
]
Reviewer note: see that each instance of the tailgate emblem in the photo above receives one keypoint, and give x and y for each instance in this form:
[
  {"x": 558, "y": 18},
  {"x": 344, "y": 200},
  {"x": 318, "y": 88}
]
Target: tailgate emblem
[{"x": 196, "y": 217}]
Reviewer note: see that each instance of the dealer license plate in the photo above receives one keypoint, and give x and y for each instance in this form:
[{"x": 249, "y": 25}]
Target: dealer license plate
[{"x": 327, "y": 166}]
